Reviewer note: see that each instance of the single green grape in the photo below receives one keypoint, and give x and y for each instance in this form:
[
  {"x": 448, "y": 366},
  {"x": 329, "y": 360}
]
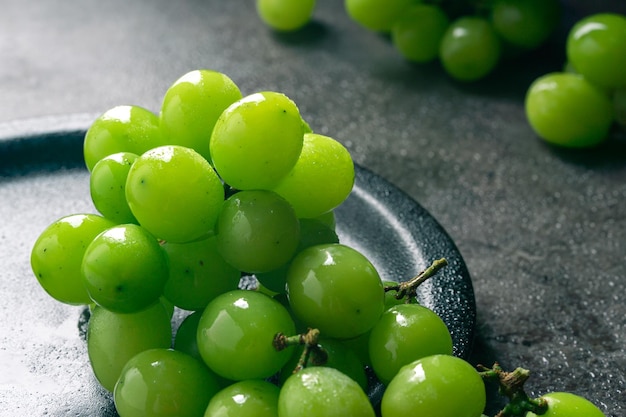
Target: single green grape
[
  {"x": 257, "y": 231},
  {"x": 438, "y": 386},
  {"x": 107, "y": 186},
  {"x": 336, "y": 289},
  {"x": 192, "y": 105},
  {"x": 174, "y": 193},
  {"x": 321, "y": 179},
  {"x": 113, "y": 338},
  {"x": 565, "y": 404},
  {"x": 596, "y": 47},
  {"x": 418, "y": 32},
  {"x": 377, "y": 15},
  {"x": 470, "y": 48},
  {"x": 249, "y": 398},
  {"x": 121, "y": 129},
  {"x": 197, "y": 274},
  {"x": 285, "y": 15},
  {"x": 125, "y": 269},
  {"x": 526, "y": 24},
  {"x": 360, "y": 346},
  {"x": 57, "y": 254},
  {"x": 185, "y": 339},
  {"x": 164, "y": 383},
  {"x": 236, "y": 333},
  {"x": 321, "y": 391},
  {"x": 565, "y": 109},
  {"x": 257, "y": 140},
  {"x": 404, "y": 333}
]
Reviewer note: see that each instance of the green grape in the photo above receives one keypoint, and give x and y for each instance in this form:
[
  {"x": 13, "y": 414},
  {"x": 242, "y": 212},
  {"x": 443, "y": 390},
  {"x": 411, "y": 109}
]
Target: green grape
[
  {"x": 377, "y": 15},
  {"x": 58, "y": 252},
  {"x": 470, "y": 48},
  {"x": 107, "y": 186},
  {"x": 125, "y": 269},
  {"x": 321, "y": 391},
  {"x": 113, "y": 338},
  {"x": 619, "y": 106},
  {"x": 257, "y": 140},
  {"x": 596, "y": 47},
  {"x": 164, "y": 383},
  {"x": 197, "y": 274},
  {"x": 360, "y": 346},
  {"x": 250, "y": 398},
  {"x": 438, "y": 386},
  {"x": 528, "y": 23},
  {"x": 565, "y": 404},
  {"x": 390, "y": 296},
  {"x": 566, "y": 110},
  {"x": 236, "y": 333},
  {"x": 174, "y": 193},
  {"x": 418, "y": 32},
  {"x": 335, "y": 289},
  {"x": 185, "y": 339},
  {"x": 192, "y": 105},
  {"x": 121, "y": 129},
  {"x": 312, "y": 232},
  {"x": 285, "y": 15},
  {"x": 404, "y": 333},
  {"x": 339, "y": 356},
  {"x": 257, "y": 231},
  {"x": 321, "y": 179}
]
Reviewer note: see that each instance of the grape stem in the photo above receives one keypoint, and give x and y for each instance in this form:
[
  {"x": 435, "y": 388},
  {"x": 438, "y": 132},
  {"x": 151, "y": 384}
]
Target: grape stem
[
  {"x": 511, "y": 385},
  {"x": 312, "y": 353},
  {"x": 408, "y": 289}
]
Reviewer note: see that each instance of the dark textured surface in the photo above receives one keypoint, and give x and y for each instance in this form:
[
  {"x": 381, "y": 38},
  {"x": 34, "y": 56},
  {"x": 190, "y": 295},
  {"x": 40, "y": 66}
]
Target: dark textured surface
[{"x": 543, "y": 230}]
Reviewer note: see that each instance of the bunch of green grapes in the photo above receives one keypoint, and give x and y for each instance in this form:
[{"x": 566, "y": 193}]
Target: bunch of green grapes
[{"x": 578, "y": 106}]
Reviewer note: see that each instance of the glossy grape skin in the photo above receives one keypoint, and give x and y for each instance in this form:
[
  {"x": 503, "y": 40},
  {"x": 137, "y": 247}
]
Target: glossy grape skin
[
  {"x": 164, "y": 383},
  {"x": 257, "y": 231},
  {"x": 470, "y": 48},
  {"x": 438, "y": 386},
  {"x": 526, "y": 24},
  {"x": 596, "y": 47},
  {"x": 565, "y": 404},
  {"x": 121, "y": 129},
  {"x": 250, "y": 398},
  {"x": 321, "y": 179},
  {"x": 404, "y": 333},
  {"x": 197, "y": 274},
  {"x": 113, "y": 338},
  {"x": 285, "y": 15},
  {"x": 336, "y": 289},
  {"x": 58, "y": 252},
  {"x": 257, "y": 140},
  {"x": 322, "y": 391},
  {"x": 566, "y": 110},
  {"x": 125, "y": 269},
  {"x": 107, "y": 186},
  {"x": 236, "y": 333},
  {"x": 377, "y": 15},
  {"x": 174, "y": 193},
  {"x": 418, "y": 32},
  {"x": 192, "y": 105}
]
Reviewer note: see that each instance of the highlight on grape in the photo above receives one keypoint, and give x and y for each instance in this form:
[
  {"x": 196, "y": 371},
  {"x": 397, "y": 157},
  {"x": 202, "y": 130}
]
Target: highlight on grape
[{"x": 218, "y": 188}]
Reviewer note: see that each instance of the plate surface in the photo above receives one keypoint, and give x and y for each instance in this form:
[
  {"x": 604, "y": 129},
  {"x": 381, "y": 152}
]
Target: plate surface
[{"x": 45, "y": 369}]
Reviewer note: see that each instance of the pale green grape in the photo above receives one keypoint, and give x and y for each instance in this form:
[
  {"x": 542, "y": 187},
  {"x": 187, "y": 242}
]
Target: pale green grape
[
  {"x": 121, "y": 129},
  {"x": 285, "y": 15},
  {"x": 58, "y": 252},
  {"x": 192, "y": 105},
  {"x": 107, "y": 186},
  {"x": 197, "y": 273},
  {"x": 566, "y": 404},
  {"x": 250, "y": 398},
  {"x": 418, "y": 32},
  {"x": 321, "y": 179},
  {"x": 125, "y": 269},
  {"x": 257, "y": 140},
  {"x": 113, "y": 338},
  {"x": 174, "y": 193},
  {"x": 377, "y": 15},
  {"x": 527, "y": 23}
]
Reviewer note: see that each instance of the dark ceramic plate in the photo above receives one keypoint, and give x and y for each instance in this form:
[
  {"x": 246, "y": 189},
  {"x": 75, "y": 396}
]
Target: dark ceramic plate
[{"x": 44, "y": 368}]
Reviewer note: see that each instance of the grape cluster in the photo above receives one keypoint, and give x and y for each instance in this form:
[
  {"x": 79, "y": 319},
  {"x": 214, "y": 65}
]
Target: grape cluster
[
  {"x": 578, "y": 106},
  {"x": 216, "y": 191}
]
